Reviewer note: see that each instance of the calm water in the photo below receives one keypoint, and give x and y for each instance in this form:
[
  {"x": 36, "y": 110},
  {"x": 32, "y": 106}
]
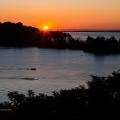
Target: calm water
[
  {"x": 55, "y": 69},
  {"x": 84, "y": 35}
]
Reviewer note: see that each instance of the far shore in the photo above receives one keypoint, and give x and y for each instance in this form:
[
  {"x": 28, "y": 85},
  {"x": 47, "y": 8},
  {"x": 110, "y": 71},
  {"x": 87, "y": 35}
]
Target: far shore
[{"x": 20, "y": 36}]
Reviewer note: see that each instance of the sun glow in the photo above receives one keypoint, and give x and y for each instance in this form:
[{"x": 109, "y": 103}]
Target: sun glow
[{"x": 45, "y": 28}]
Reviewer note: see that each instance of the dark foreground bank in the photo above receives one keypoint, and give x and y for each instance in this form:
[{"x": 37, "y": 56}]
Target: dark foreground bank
[
  {"x": 101, "y": 99},
  {"x": 19, "y": 35}
]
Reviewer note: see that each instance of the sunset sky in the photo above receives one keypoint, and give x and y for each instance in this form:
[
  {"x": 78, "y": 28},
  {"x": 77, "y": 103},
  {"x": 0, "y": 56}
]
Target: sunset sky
[{"x": 63, "y": 14}]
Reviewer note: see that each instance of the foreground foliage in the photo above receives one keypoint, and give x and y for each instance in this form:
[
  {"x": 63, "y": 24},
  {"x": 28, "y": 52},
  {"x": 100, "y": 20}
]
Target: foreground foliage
[{"x": 101, "y": 97}]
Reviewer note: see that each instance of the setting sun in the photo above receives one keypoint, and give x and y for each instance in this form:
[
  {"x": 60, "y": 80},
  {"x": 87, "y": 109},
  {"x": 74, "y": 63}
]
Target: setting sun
[{"x": 45, "y": 28}]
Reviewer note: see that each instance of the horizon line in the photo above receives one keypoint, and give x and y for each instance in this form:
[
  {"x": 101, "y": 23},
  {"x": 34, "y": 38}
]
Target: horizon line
[
  {"x": 79, "y": 30},
  {"x": 72, "y": 29}
]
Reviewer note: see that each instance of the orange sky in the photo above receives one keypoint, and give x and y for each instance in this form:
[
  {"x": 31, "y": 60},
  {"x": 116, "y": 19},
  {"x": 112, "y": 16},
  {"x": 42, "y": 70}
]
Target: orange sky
[{"x": 63, "y": 14}]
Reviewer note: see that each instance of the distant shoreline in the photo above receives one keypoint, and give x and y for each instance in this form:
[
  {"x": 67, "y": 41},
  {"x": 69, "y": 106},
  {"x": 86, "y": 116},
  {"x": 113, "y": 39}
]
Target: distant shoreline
[
  {"x": 89, "y": 30},
  {"x": 19, "y": 35}
]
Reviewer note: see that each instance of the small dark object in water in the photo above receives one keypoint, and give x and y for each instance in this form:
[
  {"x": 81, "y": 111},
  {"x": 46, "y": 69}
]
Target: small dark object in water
[
  {"x": 33, "y": 69},
  {"x": 29, "y": 79}
]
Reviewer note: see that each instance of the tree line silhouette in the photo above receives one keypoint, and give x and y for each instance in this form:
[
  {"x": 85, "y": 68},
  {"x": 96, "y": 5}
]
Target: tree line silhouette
[
  {"x": 19, "y": 35},
  {"x": 100, "y": 98}
]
